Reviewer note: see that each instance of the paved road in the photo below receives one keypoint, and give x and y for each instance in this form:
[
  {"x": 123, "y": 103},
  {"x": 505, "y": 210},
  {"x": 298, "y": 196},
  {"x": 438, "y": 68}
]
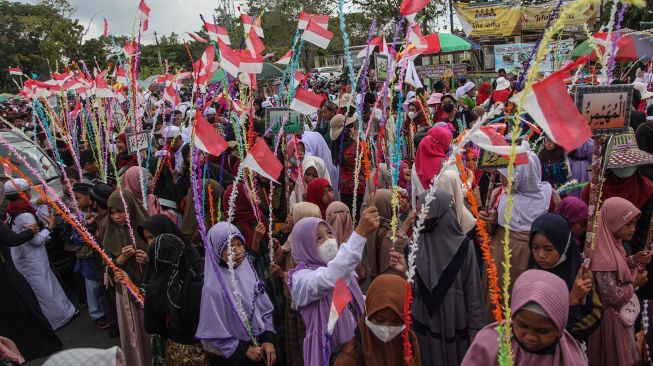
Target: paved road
[{"x": 81, "y": 332}]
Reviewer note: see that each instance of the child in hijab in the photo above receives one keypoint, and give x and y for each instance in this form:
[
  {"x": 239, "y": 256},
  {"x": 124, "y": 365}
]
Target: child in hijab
[
  {"x": 225, "y": 335},
  {"x": 131, "y": 181},
  {"x": 339, "y": 217},
  {"x": 539, "y": 303},
  {"x": 321, "y": 268},
  {"x": 448, "y": 307},
  {"x": 553, "y": 160},
  {"x": 379, "y": 340},
  {"x": 531, "y": 199},
  {"x": 312, "y": 167},
  {"x": 431, "y": 155},
  {"x": 575, "y": 211},
  {"x": 554, "y": 250},
  {"x": 131, "y": 258},
  {"x": 451, "y": 183},
  {"x": 295, "y": 330},
  {"x": 172, "y": 299},
  {"x": 616, "y": 277},
  {"x": 319, "y": 192}
]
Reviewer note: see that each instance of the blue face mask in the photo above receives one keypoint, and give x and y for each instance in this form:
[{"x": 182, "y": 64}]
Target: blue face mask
[{"x": 624, "y": 173}]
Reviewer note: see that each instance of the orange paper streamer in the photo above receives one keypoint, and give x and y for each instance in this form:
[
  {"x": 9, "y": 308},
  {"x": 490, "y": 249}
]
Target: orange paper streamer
[
  {"x": 492, "y": 274},
  {"x": 83, "y": 233}
]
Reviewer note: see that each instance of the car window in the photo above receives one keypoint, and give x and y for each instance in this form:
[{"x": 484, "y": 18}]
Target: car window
[{"x": 34, "y": 157}]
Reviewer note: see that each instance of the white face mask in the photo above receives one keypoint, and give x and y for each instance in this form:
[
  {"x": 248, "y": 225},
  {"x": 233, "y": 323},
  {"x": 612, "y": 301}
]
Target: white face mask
[
  {"x": 412, "y": 115},
  {"x": 328, "y": 250},
  {"x": 385, "y": 333}
]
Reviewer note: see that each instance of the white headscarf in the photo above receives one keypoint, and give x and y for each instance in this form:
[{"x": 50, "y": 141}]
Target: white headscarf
[
  {"x": 530, "y": 196},
  {"x": 452, "y": 184}
]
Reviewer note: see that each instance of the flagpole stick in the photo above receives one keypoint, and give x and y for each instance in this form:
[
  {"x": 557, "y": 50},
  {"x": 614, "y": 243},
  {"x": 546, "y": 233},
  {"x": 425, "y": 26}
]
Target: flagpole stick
[{"x": 594, "y": 197}]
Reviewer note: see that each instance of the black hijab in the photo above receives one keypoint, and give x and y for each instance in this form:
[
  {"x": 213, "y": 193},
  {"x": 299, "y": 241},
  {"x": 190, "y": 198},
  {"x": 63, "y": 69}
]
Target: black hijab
[
  {"x": 558, "y": 230},
  {"x": 161, "y": 224}
]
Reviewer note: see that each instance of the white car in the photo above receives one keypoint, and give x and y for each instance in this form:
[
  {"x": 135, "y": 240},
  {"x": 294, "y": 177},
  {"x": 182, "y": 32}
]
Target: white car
[{"x": 328, "y": 72}]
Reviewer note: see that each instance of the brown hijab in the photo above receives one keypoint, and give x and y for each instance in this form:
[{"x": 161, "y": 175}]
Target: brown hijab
[
  {"x": 116, "y": 237},
  {"x": 379, "y": 243},
  {"x": 189, "y": 224},
  {"x": 385, "y": 292}
]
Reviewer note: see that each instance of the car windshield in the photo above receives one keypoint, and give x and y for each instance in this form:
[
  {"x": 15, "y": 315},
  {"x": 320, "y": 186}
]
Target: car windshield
[{"x": 35, "y": 158}]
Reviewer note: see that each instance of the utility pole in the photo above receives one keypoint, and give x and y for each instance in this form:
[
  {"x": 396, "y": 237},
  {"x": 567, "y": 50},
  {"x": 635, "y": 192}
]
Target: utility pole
[
  {"x": 158, "y": 51},
  {"x": 451, "y": 15}
]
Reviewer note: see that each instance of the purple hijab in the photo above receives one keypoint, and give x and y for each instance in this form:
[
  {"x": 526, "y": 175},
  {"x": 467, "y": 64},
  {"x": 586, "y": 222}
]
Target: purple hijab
[
  {"x": 316, "y": 314},
  {"x": 579, "y": 162},
  {"x": 548, "y": 291},
  {"x": 573, "y": 209},
  {"x": 220, "y": 323}
]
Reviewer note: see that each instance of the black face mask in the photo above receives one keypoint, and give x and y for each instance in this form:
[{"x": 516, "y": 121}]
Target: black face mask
[{"x": 447, "y": 108}]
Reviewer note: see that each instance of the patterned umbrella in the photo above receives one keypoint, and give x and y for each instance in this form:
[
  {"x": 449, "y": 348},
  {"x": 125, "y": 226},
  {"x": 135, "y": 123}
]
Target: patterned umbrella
[{"x": 630, "y": 47}]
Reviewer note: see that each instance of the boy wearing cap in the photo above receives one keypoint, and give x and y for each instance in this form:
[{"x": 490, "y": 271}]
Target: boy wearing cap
[{"x": 31, "y": 258}]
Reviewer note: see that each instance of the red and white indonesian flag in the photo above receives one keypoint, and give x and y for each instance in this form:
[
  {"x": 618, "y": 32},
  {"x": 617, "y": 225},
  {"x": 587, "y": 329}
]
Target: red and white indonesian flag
[
  {"x": 121, "y": 75},
  {"x": 410, "y": 8},
  {"x": 204, "y": 67},
  {"x": 249, "y": 64},
  {"x": 305, "y": 18},
  {"x": 285, "y": 59},
  {"x": 297, "y": 79},
  {"x": 487, "y": 138},
  {"x": 254, "y": 43},
  {"x": 378, "y": 41},
  {"x": 143, "y": 15},
  {"x": 170, "y": 94},
  {"x": 341, "y": 297},
  {"x": 551, "y": 107},
  {"x": 217, "y": 32},
  {"x": 229, "y": 59},
  {"x": 101, "y": 88},
  {"x": 105, "y": 31},
  {"x": 249, "y": 22},
  {"x": 317, "y": 35},
  {"x": 196, "y": 37},
  {"x": 62, "y": 78},
  {"x": 130, "y": 49},
  {"x": 261, "y": 160},
  {"x": 15, "y": 71},
  {"x": 306, "y": 102},
  {"x": 206, "y": 138}
]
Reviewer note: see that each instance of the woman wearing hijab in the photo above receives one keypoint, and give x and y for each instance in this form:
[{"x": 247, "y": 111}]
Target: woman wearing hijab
[
  {"x": 321, "y": 267},
  {"x": 616, "y": 277},
  {"x": 339, "y": 217},
  {"x": 222, "y": 328},
  {"x": 531, "y": 199},
  {"x": 131, "y": 258},
  {"x": 294, "y": 327},
  {"x": 378, "y": 339},
  {"x": 484, "y": 91},
  {"x": 380, "y": 242},
  {"x": 553, "y": 160},
  {"x": 448, "y": 307},
  {"x": 157, "y": 225},
  {"x": 124, "y": 159},
  {"x": 580, "y": 161},
  {"x": 312, "y": 167},
  {"x": 27, "y": 326},
  {"x": 383, "y": 181},
  {"x": 575, "y": 211},
  {"x": 315, "y": 145},
  {"x": 451, "y": 183},
  {"x": 539, "y": 303},
  {"x": 319, "y": 192},
  {"x": 189, "y": 225},
  {"x": 172, "y": 300},
  {"x": 131, "y": 181},
  {"x": 554, "y": 250},
  {"x": 431, "y": 155}
]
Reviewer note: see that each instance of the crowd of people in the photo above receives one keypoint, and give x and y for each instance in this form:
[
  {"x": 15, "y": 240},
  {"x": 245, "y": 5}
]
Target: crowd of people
[{"x": 286, "y": 277}]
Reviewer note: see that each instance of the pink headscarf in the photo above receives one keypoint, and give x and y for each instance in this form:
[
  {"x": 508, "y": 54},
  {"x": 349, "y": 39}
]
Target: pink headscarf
[
  {"x": 551, "y": 294},
  {"x": 432, "y": 150},
  {"x": 131, "y": 181},
  {"x": 609, "y": 254}
]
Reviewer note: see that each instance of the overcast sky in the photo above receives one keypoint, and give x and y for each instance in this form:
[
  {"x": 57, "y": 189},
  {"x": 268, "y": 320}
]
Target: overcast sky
[{"x": 166, "y": 16}]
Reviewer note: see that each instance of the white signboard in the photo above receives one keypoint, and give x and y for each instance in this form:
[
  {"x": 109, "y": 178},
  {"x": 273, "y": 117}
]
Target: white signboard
[{"x": 138, "y": 142}]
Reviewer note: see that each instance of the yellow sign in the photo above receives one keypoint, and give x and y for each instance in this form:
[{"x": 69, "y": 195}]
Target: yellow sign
[
  {"x": 489, "y": 20},
  {"x": 535, "y": 17}
]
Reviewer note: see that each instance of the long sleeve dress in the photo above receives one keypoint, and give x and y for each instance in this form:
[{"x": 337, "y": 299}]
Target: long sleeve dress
[
  {"x": 31, "y": 260},
  {"x": 310, "y": 286},
  {"x": 614, "y": 342},
  {"x": 21, "y": 318}
]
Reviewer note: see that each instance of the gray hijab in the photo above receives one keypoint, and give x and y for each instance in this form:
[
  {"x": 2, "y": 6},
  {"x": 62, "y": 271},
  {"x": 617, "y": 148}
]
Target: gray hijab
[{"x": 440, "y": 240}]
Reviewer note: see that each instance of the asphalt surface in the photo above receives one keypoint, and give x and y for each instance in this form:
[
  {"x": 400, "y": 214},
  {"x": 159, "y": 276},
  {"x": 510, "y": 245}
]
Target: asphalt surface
[{"x": 81, "y": 332}]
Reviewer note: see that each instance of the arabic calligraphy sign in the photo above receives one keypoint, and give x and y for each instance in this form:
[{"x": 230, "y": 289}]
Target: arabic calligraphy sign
[
  {"x": 491, "y": 160},
  {"x": 605, "y": 107}
]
